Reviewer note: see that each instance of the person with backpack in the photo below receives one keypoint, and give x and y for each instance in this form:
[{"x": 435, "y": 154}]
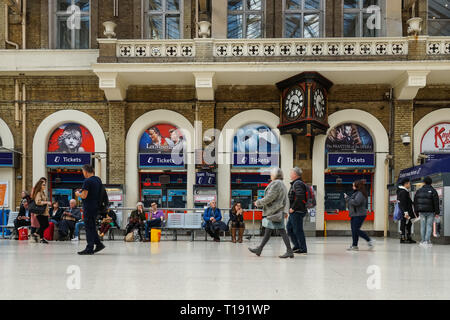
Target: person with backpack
[
  {"x": 406, "y": 207},
  {"x": 92, "y": 192},
  {"x": 298, "y": 197},
  {"x": 357, "y": 207},
  {"x": 426, "y": 203}
]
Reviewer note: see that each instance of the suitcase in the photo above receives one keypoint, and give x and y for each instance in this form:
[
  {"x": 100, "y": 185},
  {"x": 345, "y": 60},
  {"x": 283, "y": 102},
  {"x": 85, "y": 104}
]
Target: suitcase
[
  {"x": 23, "y": 233},
  {"x": 48, "y": 233}
]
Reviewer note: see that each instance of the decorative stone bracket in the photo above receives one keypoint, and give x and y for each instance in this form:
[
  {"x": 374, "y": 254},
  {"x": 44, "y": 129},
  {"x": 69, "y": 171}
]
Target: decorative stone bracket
[{"x": 407, "y": 86}]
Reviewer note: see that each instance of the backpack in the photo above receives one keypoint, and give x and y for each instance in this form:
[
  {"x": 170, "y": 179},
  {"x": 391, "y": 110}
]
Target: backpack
[
  {"x": 398, "y": 214},
  {"x": 310, "y": 197},
  {"x": 103, "y": 203}
]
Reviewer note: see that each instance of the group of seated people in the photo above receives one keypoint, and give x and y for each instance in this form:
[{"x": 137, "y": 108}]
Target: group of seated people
[
  {"x": 69, "y": 221},
  {"x": 139, "y": 222}
]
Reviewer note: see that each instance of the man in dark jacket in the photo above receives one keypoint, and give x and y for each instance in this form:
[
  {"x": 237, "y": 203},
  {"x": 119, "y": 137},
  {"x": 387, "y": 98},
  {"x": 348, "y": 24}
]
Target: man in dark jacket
[
  {"x": 426, "y": 203},
  {"x": 297, "y": 211},
  {"x": 69, "y": 218},
  {"x": 406, "y": 207}
]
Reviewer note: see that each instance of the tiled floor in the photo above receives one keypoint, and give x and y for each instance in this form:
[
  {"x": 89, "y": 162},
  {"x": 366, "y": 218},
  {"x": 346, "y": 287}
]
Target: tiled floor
[{"x": 208, "y": 270}]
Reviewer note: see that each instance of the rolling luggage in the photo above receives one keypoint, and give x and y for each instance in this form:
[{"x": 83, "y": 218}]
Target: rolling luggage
[{"x": 48, "y": 233}]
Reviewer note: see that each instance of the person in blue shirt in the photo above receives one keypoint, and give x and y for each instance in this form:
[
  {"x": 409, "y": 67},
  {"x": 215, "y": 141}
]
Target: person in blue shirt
[{"x": 211, "y": 217}]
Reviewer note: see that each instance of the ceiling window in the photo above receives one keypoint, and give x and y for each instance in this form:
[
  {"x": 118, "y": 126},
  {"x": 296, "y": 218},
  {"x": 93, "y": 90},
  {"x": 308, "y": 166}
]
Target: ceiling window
[
  {"x": 245, "y": 19},
  {"x": 71, "y": 24},
  {"x": 363, "y": 18},
  {"x": 303, "y": 18},
  {"x": 439, "y": 17},
  {"x": 163, "y": 19}
]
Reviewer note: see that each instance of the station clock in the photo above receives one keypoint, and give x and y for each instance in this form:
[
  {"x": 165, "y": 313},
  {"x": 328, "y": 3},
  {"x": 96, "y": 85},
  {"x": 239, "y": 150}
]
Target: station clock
[{"x": 304, "y": 104}]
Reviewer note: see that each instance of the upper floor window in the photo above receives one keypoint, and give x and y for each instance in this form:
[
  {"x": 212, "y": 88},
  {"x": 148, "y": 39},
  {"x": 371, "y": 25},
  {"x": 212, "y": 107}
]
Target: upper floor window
[
  {"x": 363, "y": 18},
  {"x": 303, "y": 18},
  {"x": 163, "y": 19},
  {"x": 439, "y": 17},
  {"x": 245, "y": 19},
  {"x": 72, "y": 24}
]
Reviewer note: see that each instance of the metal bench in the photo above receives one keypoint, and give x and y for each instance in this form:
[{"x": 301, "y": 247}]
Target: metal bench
[
  {"x": 10, "y": 225},
  {"x": 175, "y": 221},
  {"x": 193, "y": 222}
]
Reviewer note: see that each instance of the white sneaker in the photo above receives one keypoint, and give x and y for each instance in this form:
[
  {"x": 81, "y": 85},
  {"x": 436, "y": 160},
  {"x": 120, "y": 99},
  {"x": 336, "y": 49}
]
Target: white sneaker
[
  {"x": 75, "y": 239},
  {"x": 423, "y": 244},
  {"x": 371, "y": 244}
]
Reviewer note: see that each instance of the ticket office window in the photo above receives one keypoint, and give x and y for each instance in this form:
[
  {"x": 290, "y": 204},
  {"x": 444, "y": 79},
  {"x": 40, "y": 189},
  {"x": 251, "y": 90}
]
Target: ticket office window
[
  {"x": 246, "y": 188},
  {"x": 172, "y": 194},
  {"x": 63, "y": 186},
  {"x": 337, "y": 185}
]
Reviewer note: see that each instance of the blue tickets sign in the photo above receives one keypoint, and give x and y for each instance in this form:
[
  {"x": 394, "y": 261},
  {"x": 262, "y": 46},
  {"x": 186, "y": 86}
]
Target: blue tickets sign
[
  {"x": 437, "y": 156},
  {"x": 72, "y": 160},
  {"x": 351, "y": 160},
  {"x": 427, "y": 169},
  {"x": 7, "y": 159},
  {"x": 205, "y": 178},
  {"x": 255, "y": 160},
  {"x": 160, "y": 160}
]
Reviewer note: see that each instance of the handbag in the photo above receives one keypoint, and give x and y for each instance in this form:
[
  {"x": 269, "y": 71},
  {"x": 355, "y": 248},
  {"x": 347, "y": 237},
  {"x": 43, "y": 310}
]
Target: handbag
[
  {"x": 129, "y": 237},
  {"x": 38, "y": 210},
  {"x": 398, "y": 214}
]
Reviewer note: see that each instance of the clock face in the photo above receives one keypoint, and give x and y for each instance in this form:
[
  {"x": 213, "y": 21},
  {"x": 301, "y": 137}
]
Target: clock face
[
  {"x": 319, "y": 103},
  {"x": 294, "y": 103}
]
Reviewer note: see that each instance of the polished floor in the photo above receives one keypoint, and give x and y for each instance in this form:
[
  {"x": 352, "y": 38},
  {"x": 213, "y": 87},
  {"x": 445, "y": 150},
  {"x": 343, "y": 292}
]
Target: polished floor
[{"x": 208, "y": 270}]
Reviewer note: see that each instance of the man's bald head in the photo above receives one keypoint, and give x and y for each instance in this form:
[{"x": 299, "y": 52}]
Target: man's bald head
[{"x": 73, "y": 203}]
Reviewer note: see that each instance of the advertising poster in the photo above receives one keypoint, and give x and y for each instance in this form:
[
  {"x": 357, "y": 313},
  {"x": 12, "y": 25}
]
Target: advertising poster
[
  {"x": 437, "y": 139},
  {"x": 162, "y": 138},
  {"x": 3, "y": 194},
  {"x": 349, "y": 137},
  {"x": 255, "y": 145},
  {"x": 71, "y": 138}
]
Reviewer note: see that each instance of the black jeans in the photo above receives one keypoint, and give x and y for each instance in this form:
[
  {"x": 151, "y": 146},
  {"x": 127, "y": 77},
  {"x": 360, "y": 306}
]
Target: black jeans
[
  {"x": 65, "y": 228},
  {"x": 43, "y": 224},
  {"x": 21, "y": 223},
  {"x": 295, "y": 230},
  {"x": 92, "y": 237},
  {"x": 212, "y": 230},
  {"x": 357, "y": 223},
  {"x": 405, "y": 227}
]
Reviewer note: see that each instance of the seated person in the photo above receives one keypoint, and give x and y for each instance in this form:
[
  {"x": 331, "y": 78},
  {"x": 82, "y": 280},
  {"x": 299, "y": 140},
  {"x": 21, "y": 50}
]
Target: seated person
[
  {"x": 23, "y": 219},
  {"x": 237, "y": 222},
  {"x": 76, "y": 233},
  {"x": 211, "y": 217},
  {"x": 155, "y": 220},
  {"x": 108, "y": 221},
  {"x": 55, "y": 213},
  {"x": 136, "y": 220},
  {"x": 70, "y": 217}
]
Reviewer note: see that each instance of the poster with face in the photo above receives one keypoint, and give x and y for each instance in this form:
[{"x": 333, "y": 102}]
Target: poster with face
[
  {"x": 71, "y": 138},
  {"x": 162, "y": 138},
  {"x": 256, "y": 138},
  {"x": 437, "y": 139},
  {"x": 349, "y": 137}
]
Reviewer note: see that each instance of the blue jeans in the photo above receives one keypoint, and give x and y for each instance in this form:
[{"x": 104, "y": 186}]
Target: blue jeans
[
  {"x": 426, "y": 225},
  {"x": 77, "y": 228},
  {"x": 357, "y": 223},
  {"x": 296, "y": 232}
]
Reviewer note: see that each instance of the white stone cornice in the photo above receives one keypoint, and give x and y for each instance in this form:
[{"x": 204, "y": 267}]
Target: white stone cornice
[
  {"x": 111, "y": 84},
  {"x": 205, "y": 85},
  {"x": 409, "y": 83}
]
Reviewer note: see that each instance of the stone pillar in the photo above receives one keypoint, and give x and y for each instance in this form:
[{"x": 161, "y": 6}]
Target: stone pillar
[
  {"x": 205, "y": 116},
  {"x": 417, "y": 48},
  {"x": 116, "y": 143},
  {"x": 403, "y": 123},
  {"x": 204, "y": 50}
]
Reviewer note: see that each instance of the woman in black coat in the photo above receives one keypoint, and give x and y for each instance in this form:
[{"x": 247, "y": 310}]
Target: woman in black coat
[{"x": 406, "y": 207}]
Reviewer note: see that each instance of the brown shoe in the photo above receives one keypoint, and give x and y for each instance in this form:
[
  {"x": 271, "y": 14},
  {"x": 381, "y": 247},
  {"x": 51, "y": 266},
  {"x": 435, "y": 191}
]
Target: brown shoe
[
  {"x": 241, "y": 233},
  {"x": 233, "y": 235}
]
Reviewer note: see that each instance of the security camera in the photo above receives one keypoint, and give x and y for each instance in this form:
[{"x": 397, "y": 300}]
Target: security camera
[{"x": 406, "y": 139}]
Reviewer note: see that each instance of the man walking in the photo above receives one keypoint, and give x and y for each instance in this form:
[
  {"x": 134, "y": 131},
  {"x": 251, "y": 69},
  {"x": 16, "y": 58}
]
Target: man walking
[
  {"x": 406, "y": 207},
  {"x": 297, "y": 211},
  {"x": 90, "y": 193},
  {"x": 426, "y": 203}
]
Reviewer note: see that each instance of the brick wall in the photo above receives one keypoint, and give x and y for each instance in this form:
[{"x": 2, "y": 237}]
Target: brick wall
[{"x": 403, "y": 123}]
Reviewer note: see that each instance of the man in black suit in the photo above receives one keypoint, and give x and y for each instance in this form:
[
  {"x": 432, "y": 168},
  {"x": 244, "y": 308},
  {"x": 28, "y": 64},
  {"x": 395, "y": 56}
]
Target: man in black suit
[
  {"x": 23, "y": 219},
  {"x": 406, "y": 207}
]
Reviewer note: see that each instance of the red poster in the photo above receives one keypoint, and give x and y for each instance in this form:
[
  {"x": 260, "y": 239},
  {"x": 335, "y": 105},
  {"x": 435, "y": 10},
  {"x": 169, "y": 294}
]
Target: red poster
[{"x": 71, "y": 138}]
